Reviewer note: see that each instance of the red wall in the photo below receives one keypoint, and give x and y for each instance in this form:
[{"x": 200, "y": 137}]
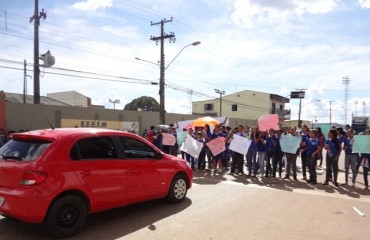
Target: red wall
[{"x": 3, "y": 114}]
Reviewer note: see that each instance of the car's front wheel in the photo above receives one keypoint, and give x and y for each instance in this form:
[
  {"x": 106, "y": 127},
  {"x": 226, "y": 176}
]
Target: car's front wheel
[
  {"x": 178, "y": 189},
  {"x": 66, "y": 216}
]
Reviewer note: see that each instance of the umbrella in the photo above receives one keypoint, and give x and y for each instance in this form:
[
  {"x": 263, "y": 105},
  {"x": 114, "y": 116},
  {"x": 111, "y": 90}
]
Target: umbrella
[{"x": 202, "y": 121}]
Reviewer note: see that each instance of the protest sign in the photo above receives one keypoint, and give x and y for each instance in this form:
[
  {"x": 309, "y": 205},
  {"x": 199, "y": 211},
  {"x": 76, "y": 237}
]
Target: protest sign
[
  {"x": 191, "y": 146},
  {"x": 168, "y": 139},
  {"x": 361, "y": 144},
  {"x": 289, "y": 144},
  {"x": 239, "y": 144},
  {"x": 267, "y": 122},
  {"x": 217, "y": 145}
]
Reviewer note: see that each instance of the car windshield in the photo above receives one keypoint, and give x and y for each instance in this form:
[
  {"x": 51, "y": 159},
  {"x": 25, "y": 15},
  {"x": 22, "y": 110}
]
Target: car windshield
[{"x": 25, "y": 150}]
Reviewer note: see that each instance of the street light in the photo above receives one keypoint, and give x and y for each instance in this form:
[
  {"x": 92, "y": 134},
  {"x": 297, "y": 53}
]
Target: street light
[
  {"x": 221, "y": 93},
  {"x": 114, "y": 102},
  {"x": 162, "y": 69},
  {"x": 191, "y": 44},
  {"x": 161, "y": 82}
]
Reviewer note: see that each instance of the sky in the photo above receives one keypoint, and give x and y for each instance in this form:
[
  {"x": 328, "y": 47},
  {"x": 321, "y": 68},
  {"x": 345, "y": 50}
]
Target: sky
[{"x": 273, "y": 46}]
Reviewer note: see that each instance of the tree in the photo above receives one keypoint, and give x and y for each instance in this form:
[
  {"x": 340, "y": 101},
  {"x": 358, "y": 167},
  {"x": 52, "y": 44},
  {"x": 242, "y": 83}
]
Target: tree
[{"x": 143, "y": 103}]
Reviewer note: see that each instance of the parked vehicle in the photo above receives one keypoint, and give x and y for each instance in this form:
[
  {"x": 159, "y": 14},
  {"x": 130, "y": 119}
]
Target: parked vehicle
[
  {"x": 59, "y": 176},
  {"x": 360, "y": 124}
]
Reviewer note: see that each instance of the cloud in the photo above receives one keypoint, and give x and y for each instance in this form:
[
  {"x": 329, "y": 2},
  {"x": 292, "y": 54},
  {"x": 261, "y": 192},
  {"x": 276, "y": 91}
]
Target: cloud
[
  {"x": 251, "y": 12},
  {"x": 92, "y": 5},
  {"x": 364, "y": 3}
]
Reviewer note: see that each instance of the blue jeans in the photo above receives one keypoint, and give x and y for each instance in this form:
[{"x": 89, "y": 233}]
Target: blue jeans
[
  {"x": 261, "y": 156},
  {"x": 312, "y": 167},
  {"x": 305, "y": 162},
  {"x": 366, "y": 172},
  {"x": 251, "y": 160},
  {"x": 331, "y": 168},
  {"x": 190, "y": 160},
  {"x": 350, "y": 160}
]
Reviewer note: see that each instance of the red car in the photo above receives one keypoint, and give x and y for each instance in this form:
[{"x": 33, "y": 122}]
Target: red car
[{"x": 58, "y": 176}]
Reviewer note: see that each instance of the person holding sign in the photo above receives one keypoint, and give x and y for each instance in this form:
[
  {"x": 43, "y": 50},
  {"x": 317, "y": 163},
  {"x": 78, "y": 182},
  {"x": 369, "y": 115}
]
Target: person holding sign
[
  {"x": 202, "y": 155},
  {"x": 271, "y": 145},
  {"x": 217, "y": 159},
  {"x": 208, "y": 136},
  {"x": 238, "y": 158},
  {"x": 350, "y": 158},
  {"x": 365, "y": 158},
  {"x": 291, "y": 158},
  {"x": 260, "y": 140},
  {"x": 174, "y": 148},
  {"x": 188, "y": 157}
]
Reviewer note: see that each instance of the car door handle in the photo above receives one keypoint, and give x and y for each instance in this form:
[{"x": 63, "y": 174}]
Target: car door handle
[{"x": 86, "y": 173}]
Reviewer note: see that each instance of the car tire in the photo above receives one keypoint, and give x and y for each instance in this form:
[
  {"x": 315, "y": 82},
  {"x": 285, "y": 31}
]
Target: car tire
[
  {"x": 66, "y": 216},
  {"x": 178, "y": 189}
]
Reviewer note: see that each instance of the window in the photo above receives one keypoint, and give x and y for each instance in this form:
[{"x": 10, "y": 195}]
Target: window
[
  {"x": 273, "y": 110},
  {"x": 208, "y": 107},
  {"x": 134, "y": 148},
  {"x": 234, "y": 107},
  {"x": 281, "y": 107},
  {"x": 23, "y": 150},
  {"x": 94, "y": 148}
]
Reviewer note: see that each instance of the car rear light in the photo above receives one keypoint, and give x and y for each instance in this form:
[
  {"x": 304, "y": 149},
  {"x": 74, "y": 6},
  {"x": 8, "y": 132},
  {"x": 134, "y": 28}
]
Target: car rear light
[{"x": 32, "y": 178}]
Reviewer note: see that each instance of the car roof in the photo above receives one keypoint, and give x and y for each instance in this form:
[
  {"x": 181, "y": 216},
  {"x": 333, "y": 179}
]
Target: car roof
[{"x": 56, "y": 133}]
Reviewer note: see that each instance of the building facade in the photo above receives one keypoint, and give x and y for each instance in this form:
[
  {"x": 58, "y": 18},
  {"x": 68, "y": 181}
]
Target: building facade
[{"x": 249, "y": 105}]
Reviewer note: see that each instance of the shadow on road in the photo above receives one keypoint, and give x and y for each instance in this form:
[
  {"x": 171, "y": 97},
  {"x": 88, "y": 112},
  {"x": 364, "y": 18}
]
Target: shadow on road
[
  {"x": 111, "y": 224},
  {"x": 283, "y": 184}
]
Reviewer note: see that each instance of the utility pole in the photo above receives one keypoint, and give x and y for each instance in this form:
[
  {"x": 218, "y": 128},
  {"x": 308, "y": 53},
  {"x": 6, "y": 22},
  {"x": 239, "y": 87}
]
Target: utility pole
[
  {"x": 36, "y": 70},
  {"x": 330, "y": 112},
  {"x": 161, "y": 38},
  {"x": 25, "y": 82},
  {"x": 300, "y": 106},
  {"x": 221, "y": 93},
  {"x": 345, "y": 81}
]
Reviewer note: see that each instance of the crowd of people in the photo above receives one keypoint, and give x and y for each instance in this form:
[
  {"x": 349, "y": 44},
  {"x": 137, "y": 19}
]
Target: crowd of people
[{"x": 264, "y": 157}]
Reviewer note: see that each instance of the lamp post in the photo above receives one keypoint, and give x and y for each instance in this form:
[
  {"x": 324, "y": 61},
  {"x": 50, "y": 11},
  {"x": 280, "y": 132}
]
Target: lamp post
[
  {"x": 191, "y": 44},
  {"x": 114, "y": 102},
  {"x": 221, "y": 93},
  {"x": 162, "y": 69}
]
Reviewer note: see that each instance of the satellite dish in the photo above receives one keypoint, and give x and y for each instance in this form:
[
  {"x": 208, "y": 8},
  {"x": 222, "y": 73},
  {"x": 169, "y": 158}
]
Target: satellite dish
[{"x": 49, "y": 60}]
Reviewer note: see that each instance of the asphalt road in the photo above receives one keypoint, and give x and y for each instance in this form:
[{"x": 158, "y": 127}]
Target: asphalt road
[{"x": 229, "y": 207}]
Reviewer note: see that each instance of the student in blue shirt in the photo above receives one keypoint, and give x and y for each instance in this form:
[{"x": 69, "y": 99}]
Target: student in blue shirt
[
  {"x": 350, "y": 159},
  {"x": 313, "y": 148},
  {"x": 333, "y": 149}
]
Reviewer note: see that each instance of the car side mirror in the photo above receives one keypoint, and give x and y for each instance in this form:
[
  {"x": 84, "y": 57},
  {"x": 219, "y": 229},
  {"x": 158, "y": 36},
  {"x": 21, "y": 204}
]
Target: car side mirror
[{"x": 159, "y": 155}]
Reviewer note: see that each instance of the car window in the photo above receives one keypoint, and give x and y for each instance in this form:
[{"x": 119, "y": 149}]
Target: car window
[
  {"x": 134, "y": 148},
  {"x": 94, "y": 148},
  {"x": 23, "y": 150}
]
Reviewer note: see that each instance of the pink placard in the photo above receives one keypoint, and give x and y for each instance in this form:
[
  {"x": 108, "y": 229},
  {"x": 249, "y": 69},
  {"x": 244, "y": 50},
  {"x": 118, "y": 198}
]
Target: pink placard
[
  {"x": 217, "y": 145},
  {"x": 168, "y": 139},
  {"x": 266, "y": 122}
]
